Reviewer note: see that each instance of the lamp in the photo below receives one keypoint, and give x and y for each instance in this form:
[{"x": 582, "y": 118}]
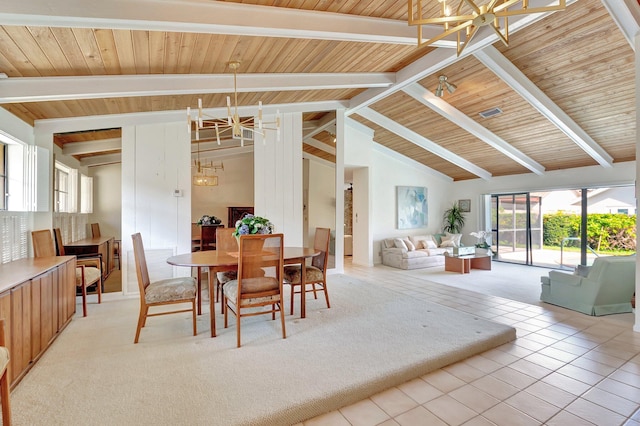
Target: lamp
[
  {"x": 470, "y": 16},
  {"x": 444, "y": 84},
  {"x": 232, "y": 122},
  {"x": 204, "y": 175}
]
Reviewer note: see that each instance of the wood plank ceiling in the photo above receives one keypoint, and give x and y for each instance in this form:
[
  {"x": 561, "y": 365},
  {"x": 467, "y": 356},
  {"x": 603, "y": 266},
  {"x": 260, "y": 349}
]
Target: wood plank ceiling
[{"x": 577, "y": 60}]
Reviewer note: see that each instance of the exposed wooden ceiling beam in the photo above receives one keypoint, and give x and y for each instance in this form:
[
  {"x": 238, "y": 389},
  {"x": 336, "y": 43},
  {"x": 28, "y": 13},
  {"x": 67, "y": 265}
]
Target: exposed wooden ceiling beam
[
  {"x": 422, "y": 95},
  {"x": 38, "y": 89},
  {"x": 212, "y": 17},
  {"x": 101, "y": 160},
  {"x": 510, "y": 74},
  {"x": 623, "y": 15},
  {"x": 422, "y": 142},
  {"x": 319, "y": 145},
  {"x": 326, "y": 122}
]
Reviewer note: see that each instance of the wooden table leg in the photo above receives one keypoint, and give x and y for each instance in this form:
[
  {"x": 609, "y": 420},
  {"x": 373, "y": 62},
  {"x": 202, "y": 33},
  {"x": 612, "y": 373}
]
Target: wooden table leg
[
  {"x": 212, "y": 300},
  {"x": 303, "y": 288},
  {"x": 199, "y": 291}
]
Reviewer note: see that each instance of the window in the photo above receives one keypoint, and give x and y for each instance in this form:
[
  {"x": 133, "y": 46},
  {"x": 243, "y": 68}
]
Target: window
[
  {"x": 64, "y": 189},
  {"x": 86, "y": 194}
]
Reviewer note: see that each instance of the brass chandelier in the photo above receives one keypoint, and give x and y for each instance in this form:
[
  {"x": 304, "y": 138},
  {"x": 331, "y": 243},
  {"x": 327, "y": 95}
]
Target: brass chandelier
[
  {"x": 468, "y": 17},
  {"x": 238, "y": 127},
  {"x": 205, "y": 171}
]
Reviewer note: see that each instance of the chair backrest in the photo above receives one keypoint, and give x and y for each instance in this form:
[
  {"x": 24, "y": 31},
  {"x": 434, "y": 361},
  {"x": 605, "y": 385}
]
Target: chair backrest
[
  {"x": 225, "y": 241},
  {"x": 260, "y": 265},
  {"x": 321, "y": 243},
  {"x": 43, "y": 243},
  {"x": 141, "y": 264},
  {"x": 95, "y": 230},
  {"x": 208, "y": 237},
  {"x": 59, "y": 244}
]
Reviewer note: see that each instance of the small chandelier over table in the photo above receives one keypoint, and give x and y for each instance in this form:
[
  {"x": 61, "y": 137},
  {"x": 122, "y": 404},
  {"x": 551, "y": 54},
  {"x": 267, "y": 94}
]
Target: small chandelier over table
[
  {"x": 232, "y": 123},
  {"x": 205, "y": 171},
  {"x": 469, "y": 16}
]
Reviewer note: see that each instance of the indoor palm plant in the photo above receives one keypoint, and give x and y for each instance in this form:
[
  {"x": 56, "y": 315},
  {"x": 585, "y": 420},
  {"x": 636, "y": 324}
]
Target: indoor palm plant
[{"x": 453, "y": 219}]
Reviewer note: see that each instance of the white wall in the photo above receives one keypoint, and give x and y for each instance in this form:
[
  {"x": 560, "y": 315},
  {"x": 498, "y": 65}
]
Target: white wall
[
  {"x": 155, "y": 162},
  {"x": 107, "y": 199},
  {"x": 322, "y": 198},
  {"x": 17, "y": 128},
  {"x": 235, "y": 188}
]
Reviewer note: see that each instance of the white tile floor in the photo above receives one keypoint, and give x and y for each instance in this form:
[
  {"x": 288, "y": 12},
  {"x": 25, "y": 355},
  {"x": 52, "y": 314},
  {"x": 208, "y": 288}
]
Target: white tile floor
[{"x": 564, "y": 368}]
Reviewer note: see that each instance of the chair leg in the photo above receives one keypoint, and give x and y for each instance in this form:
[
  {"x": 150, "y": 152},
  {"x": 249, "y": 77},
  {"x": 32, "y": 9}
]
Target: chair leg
[
  {"x": 326, "y": 293},
  {"x": 284, "y": 333},
  {"x": 224, "y": 310},
  {"x": 84, "y": 300},
  {"x": 292, "y": 295},
  {"x": 141, "y": 321},
  {"x": 238, "y": 326},
  {"x": 100, "y": 291},
  {"x": 4, "y": 399},
  {"x": 193, "y": 307}
]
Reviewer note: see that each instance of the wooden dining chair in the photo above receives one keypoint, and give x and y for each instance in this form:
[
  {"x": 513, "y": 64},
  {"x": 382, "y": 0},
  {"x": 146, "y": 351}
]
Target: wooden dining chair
[
  {"x": 159, "y": 293},
  {"x": 95, "y": 230},
  {"x": 88, "y": 268},
  {"x": 316, "y": 274},
  {"x": 208, "y": 237},
  {"x": 4, "y": 378},
  {"x": 259, "y": 282},
  {"x": 226, "y": 242}
]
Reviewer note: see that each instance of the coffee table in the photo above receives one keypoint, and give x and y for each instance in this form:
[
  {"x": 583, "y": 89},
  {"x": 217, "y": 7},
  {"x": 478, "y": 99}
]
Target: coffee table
[{"x": 464, "y": 264}]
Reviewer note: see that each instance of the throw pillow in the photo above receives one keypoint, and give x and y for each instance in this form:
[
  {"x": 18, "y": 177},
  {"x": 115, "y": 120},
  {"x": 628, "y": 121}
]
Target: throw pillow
[
  {"x": 409, "y": 244},
  {"x": 430, "y": 243},
  {"x": 400, "y": 243},
  {"x": 451, "y": 240}
]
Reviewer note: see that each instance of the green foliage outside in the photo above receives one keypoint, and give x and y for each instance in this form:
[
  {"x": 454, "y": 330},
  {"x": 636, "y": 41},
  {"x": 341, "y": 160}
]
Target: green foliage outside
[{"x": 605, "y": 231}]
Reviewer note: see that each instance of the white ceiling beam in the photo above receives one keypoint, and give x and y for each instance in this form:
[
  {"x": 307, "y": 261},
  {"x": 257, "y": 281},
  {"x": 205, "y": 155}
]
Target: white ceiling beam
[
  {"x": 422, "y": 142},
  {"x": 440, "y": 58},
  {"x": 623, "y": 15},
  {"x": 320, "y": 145},
  {"x": 328, "y": 121},
  {"x": 38, "y": 89},
  {"x": 422, "y": 95},
  {"x": 107, "y": 121},
  {"x": 213, "y": 17},
  {"x": 89, "y": 147},
  {"x": 510, "y": 74},
  {"x": 101, "y": 160}
]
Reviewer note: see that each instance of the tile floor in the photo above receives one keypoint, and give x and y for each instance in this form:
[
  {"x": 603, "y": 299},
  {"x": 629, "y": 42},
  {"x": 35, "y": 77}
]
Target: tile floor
[{"x": 564, "y": 368}]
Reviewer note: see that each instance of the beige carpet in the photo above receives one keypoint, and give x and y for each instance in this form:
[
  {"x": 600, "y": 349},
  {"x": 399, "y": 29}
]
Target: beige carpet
[{"x": 371, "y": 339}]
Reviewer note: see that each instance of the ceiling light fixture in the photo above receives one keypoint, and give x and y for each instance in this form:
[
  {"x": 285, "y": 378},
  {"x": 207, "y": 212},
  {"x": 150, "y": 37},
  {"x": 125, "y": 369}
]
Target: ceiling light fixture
[
  {"x": 470, "y": 17},
  {"x": 444, "y": 84},
  {"x": 204, "y": 175},
  {"x": 238, "y": 127}
]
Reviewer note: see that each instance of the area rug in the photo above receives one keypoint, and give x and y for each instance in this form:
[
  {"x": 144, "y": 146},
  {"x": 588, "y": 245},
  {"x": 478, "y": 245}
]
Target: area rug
[{"x": 370, "y": 340}]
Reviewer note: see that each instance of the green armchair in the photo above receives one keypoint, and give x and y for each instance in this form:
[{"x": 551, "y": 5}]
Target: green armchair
[{"x": 604, "y": 288}]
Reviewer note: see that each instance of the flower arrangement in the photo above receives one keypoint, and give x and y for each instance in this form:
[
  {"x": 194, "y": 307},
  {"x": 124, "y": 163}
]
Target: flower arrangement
[
  {"x": 209, "y": 220},
  {"x": 251, "y": 224},
  {"x": 482, "y": 239}
]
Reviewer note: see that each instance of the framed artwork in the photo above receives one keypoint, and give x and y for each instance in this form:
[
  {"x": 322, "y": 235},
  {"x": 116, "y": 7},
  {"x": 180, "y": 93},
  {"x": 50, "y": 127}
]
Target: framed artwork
[
  {"x": 411, "y": 202},
  {"x": 465, "y": 205}
]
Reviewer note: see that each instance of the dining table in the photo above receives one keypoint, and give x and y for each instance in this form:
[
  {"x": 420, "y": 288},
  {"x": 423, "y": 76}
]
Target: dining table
[{"x": 220, "y": 261}]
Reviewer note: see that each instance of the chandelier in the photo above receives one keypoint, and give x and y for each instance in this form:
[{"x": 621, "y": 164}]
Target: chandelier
[
  {"x": 237, "y": 127},
  {"x": 469, "y": 16},
  {"x": 205, "y": 171}
]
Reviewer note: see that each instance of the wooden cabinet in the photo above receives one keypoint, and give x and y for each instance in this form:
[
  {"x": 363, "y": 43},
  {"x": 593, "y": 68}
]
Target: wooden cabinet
[
  {"x": 102, "y": 245},
  {"x": 236, "y": 213},
  {"x": 37, "y": 301}
]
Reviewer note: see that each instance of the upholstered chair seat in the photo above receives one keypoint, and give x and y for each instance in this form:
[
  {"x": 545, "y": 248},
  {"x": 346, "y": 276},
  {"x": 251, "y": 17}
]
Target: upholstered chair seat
[
  {"x": 292, "y": 274},
  {"x": 252, "y": 285},
  {"x": 91, "y": 275},
  {"x": 171, "y": 289}
]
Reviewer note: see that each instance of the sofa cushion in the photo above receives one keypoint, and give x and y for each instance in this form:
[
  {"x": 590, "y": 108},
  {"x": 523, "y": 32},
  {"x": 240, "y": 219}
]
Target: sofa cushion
[
  {"x": 409, "y": 244},
  {"x": 399, "y": 243},
  {"x": 451, "y": 240},
  {"x": 388, "y": 243},
  {"x": 424, "y": 241}
]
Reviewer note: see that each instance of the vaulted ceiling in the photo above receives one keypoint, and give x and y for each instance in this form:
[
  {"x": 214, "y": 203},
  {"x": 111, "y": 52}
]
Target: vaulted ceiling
[{"x": 565, "y": 85}]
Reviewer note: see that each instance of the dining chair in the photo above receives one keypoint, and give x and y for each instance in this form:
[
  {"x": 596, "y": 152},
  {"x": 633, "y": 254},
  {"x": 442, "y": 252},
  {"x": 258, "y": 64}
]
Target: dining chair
[
  {"x": 95, "y": 230},
  {"x": 259, "y": 282},
  {"x": 316, "y": 273},
  {"x": 162, "y": 292},
  {"x": 88, "y": 268},
  {"x": 226, "y": 242},
  {"x": 208, "y": 237},
  {"x": 4, "y": 378}
]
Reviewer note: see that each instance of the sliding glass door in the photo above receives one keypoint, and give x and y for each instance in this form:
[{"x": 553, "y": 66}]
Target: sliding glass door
[{"x": 563, "y": 228}]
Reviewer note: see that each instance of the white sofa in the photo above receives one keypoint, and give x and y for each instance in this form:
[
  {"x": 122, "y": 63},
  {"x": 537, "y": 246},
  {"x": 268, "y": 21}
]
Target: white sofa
[{"x": 416, "y": 255}]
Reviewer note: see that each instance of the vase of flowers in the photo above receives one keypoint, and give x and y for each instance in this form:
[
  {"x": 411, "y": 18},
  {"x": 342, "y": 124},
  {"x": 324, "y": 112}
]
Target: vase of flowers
[
  {"x": 209, "y": 219},
  {"x": 250, "y": 224},
  {"x": 482, "y": 241}
]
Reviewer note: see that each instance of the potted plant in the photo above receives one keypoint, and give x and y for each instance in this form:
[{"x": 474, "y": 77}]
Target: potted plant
[{"x": 453, "y": 219}]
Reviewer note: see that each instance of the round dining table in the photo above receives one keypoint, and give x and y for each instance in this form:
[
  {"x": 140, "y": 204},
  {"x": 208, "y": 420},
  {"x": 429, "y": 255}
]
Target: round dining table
[{"x": 219, "y": 261}]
